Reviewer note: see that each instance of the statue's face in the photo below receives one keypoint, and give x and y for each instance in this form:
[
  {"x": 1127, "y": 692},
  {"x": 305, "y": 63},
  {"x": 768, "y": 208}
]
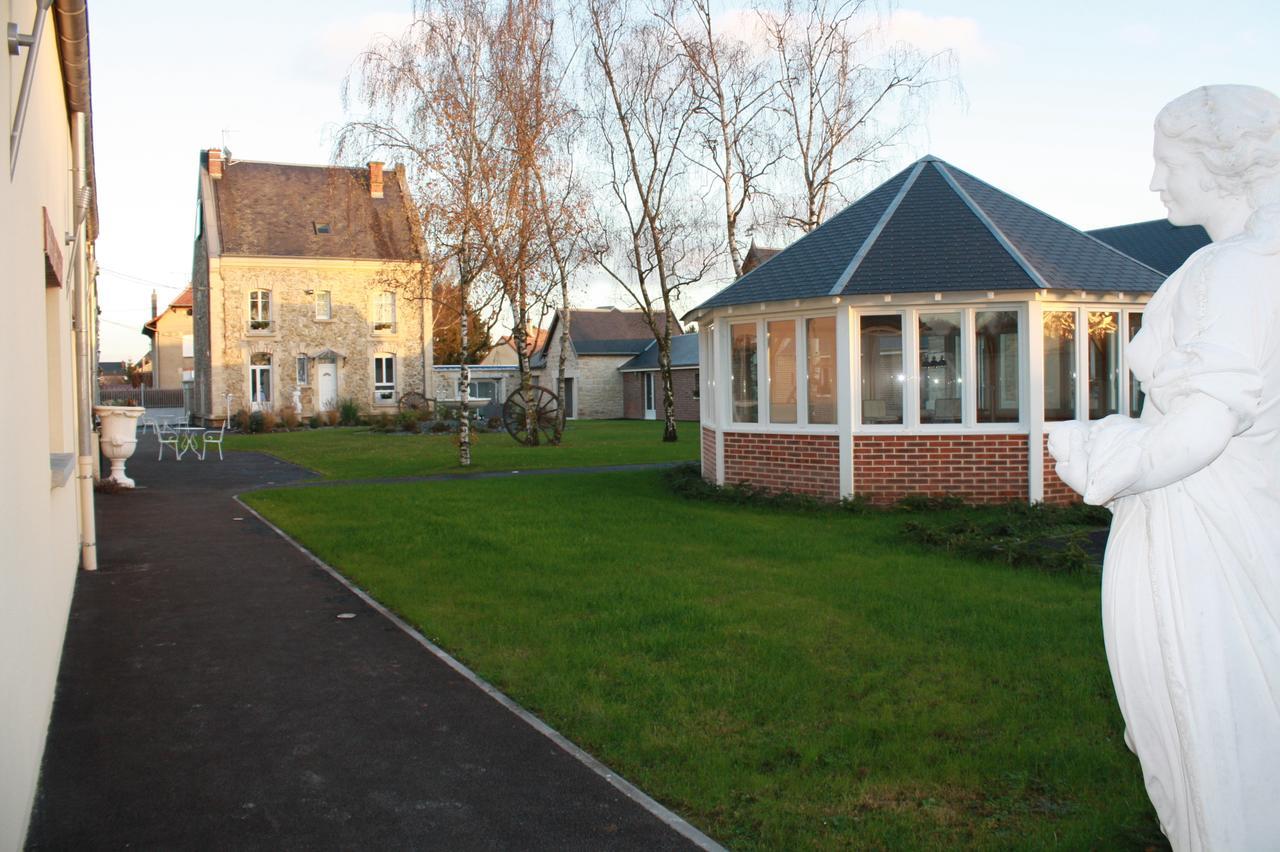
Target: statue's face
[{"x": 1179, "y": 177}]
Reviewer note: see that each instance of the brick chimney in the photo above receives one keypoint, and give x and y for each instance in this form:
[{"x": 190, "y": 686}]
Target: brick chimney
[
  {"x": 215, "y": 163},
  {"x": 375, "y": 180}
]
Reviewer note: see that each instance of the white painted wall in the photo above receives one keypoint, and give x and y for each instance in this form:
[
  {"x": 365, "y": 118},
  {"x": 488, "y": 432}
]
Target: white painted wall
[{"x": 39, "y": 532}]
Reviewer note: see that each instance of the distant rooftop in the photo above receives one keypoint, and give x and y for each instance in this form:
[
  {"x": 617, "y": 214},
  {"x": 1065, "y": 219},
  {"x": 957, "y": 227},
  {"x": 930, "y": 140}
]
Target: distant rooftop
[{"x": 1158, "y": 243}]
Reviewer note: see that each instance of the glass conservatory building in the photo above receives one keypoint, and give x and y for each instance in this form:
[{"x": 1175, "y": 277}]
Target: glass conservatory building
[{"x": 922, "y": 341}]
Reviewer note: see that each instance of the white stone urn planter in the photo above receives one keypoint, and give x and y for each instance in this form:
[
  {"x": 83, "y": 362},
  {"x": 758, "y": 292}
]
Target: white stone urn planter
[{"x": 119, "y": 437}]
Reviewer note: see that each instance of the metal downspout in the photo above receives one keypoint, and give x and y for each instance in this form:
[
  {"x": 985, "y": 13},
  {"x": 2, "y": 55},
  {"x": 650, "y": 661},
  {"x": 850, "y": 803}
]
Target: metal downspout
[{"x": 84, "y": 428}]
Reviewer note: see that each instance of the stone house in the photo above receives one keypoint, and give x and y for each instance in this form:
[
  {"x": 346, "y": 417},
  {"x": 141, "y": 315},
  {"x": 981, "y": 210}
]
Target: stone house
[
  {"x": 48, "y": 341},
  {"x": 172, "y": 342},
  {"x": 308, "y": 285},
  {"x": 923, "y": 341},
  {"x": 600, "y": 341},
  {"x": 642, "y": 381}
]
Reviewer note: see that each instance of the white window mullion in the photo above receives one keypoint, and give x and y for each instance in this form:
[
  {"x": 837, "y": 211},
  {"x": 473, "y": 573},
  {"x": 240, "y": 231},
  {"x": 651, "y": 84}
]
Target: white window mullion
[
  {"x": 911, "y": 369},
  {"x": 802, "y": 372},
  {"x": 968, "y": 368},
  {"x": 763, "y": 389},
  {"x": 1082, "y": 364}
]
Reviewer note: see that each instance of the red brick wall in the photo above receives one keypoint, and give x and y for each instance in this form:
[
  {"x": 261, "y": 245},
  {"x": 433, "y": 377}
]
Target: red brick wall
[
  {"x": 1055, "y": 490},
  {"x": 802, "y": 464},
  {"x": 708, "y": 454},
  {"x": 979, "y": 468},
  {"x": 683, "y": 385}
]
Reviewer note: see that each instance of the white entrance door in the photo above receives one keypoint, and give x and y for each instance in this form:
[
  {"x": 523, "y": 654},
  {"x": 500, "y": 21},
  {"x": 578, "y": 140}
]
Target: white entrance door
[
  {"x": 650, "y": 410},
  {"x": 327, "y": 386}
]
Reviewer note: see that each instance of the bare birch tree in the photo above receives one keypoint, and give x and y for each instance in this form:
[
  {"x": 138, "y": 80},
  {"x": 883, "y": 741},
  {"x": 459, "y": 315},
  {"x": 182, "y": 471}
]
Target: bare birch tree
[
  {"x": 734, "y": 135},
  {"x": 643, "y": 110},
  {"x": 845, "y": 95},
  {"x": 426, "y": 98}
]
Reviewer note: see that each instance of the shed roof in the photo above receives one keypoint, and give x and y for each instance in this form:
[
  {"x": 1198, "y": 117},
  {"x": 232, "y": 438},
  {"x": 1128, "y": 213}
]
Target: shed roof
[
  {"x": 274, "y": 210},
  {"x": 684, "y": 354},
  {"x": 933, "y": 227},
  {"x": 1159, "y": 243}
]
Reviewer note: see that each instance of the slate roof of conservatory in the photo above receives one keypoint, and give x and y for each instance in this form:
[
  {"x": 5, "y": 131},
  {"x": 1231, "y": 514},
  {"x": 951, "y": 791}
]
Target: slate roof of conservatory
[{"x": 933, "y": 227}]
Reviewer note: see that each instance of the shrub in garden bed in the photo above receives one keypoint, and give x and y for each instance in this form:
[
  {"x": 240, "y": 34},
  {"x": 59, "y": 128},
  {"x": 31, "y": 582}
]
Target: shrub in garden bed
[{"x": 1025, "y": 535}]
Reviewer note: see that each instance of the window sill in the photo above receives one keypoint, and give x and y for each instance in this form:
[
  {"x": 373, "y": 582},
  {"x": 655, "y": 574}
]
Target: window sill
[
  {"x": 260, "y": 332},
  {"x": 322, "y": 319},
  {"x": 62, "y": 466}
]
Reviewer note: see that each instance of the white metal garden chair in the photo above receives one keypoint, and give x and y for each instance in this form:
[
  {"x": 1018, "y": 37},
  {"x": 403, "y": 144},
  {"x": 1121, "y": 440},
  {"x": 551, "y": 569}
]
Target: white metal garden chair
[
  {"x": 213, "y": 437},
  {"x": 167, "y": 438}
]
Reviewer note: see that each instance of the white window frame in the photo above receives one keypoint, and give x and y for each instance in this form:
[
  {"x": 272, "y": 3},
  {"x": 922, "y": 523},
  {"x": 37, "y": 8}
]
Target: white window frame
[
  {"x": 328, "y": 305},
  {"x": 380, "y": 388},
  {"x": 968, "y": 424},
  {"x": 764, "y": 424},
  {"x": 1082, "y": 311},
  {"x": 259, "y": 369},
  {"x": 269, "y": 319},
  {"x": 381, "y": 300}
]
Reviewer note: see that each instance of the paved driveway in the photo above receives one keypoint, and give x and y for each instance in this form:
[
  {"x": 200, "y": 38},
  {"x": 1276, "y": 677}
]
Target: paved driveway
[{"x": 211, "y": 697}]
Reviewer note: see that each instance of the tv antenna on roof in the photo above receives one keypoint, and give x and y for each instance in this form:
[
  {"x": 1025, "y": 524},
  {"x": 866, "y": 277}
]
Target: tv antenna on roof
[{"x": 226, "y": 148}]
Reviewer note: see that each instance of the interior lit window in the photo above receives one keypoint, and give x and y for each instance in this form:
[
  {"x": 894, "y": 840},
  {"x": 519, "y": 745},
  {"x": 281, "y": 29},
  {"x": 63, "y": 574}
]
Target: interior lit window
[
  {"x": 820, "y": 363},
  {"x": 743, "y": 364},
  {"x": 1104, "y": 364},
  {"x": 1059, "y": 365},
  {"x": 782, "y": 371},
  {"x": 941, "y": 381},
  {"x": 882, "y": 369},
  {"x": 999, "y": 376}
]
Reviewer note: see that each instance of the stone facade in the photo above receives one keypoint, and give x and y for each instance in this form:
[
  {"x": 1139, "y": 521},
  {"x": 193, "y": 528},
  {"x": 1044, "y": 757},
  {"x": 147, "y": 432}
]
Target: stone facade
[
  {"x": 295, "y": 331},
  {"x": 597, "y": 384}
]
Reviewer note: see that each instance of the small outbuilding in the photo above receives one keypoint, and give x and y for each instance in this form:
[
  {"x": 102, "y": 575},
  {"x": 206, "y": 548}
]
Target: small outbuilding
[{"x": 921, "y": 341}]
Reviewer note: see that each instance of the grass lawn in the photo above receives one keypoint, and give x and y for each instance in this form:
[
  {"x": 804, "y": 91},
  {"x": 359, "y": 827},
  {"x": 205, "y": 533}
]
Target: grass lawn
[
  {"x": 359, "y": 453},
  {"x": 782, "y": 679}
]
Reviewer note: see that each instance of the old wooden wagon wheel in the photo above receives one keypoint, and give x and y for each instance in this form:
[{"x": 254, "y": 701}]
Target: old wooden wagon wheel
[
  {"x": 546, "y": 410},
  {"x": 413, "y": 401}
]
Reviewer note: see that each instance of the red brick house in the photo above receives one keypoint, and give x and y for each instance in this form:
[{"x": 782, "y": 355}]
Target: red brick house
[
  {"x": 642, "y": 381},
  {"x": 922, "y": 341}
]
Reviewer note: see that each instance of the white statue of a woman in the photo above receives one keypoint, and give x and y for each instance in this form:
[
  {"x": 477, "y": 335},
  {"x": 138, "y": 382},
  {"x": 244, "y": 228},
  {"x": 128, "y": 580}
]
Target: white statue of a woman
[{"x": 1191, "y": 580}]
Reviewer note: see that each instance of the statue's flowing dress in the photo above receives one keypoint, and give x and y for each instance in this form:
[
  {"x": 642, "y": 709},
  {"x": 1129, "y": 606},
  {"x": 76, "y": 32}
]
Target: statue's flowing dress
[{"x": 1191, "y": 582}]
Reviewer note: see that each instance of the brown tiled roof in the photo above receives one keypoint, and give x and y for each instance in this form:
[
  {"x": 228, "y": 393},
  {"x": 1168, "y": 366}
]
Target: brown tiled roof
[
  {"x": 183, "y": 301},
  {"x": 271, "y": 210},
  {"x": 756, "y": 255},
  {"x": 606, "y": 324}
]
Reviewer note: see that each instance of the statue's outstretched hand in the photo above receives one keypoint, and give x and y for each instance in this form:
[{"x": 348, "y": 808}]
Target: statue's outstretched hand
[
  {"x": 1069, "y": 445},
  {"x": 1116, "y": 458}
]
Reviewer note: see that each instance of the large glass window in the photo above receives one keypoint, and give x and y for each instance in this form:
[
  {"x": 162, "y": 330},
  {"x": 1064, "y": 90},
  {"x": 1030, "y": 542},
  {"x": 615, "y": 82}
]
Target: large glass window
[
  {"x": 782, "y": 371},
  {"x": 999, "y": 378},
  {"x": 1104, "y": 364},
  {"x": 384, "y": 379},
  {"x": 1136, "y": 396},
  {"x": 746, "y": 401},
  {"x": 820, "y": 363},
  {"x": 260, "y": 310},
  {"x": 1059, "y": 365},
  {"x": 941, "y": 382},
  {"x": 260, "y": 380},
  {"x": 882, "y": 369}
]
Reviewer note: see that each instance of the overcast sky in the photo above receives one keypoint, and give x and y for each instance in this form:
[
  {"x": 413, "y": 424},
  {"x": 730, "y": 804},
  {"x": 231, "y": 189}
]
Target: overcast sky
[{"x": 1057, "y": 107}]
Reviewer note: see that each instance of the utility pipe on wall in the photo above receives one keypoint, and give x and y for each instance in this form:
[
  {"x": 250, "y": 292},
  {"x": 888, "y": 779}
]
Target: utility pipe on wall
[{"x": 84, "y": 375}]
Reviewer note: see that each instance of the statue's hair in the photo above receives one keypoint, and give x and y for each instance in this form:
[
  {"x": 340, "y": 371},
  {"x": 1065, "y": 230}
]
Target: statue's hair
[{"x": 1235, "y": 132}]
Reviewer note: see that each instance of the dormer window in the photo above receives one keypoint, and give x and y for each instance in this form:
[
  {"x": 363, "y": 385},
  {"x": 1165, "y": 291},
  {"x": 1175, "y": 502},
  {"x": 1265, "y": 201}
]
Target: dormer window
[{"x": 322, "y": 227}]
